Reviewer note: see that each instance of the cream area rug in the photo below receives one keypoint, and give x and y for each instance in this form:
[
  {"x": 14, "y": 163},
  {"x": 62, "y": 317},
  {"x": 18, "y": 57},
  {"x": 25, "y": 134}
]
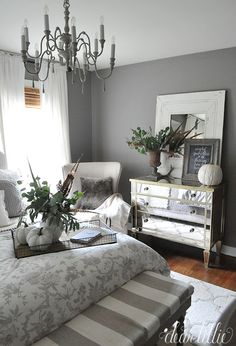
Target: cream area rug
[{"x": 211, "y": 319}]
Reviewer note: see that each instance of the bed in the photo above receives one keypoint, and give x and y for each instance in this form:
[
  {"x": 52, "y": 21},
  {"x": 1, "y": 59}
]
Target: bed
[{"x": 40, "y": 293}]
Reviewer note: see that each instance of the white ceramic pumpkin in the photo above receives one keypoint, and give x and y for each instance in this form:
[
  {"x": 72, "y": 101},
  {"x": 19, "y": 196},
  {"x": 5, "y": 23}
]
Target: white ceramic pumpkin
[
  {"x": 21, "y": 234},
  {"x": 210, "y": 175},
  {"x": 39, "y": 236}
]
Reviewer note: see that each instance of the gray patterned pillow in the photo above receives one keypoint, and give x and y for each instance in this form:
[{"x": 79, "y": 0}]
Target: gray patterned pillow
[
  {"x": 96, "y": 191},
  {"x": 13, "y": 200}
]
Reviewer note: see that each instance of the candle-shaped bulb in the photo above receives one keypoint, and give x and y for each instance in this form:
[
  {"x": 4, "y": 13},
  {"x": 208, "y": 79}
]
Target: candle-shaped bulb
[
  {"x": 102, "y": 36},
  {"x": 73, "y": 29},
  {"x": 45, "y": 10},
  {"x": 113, "y": 47},
  {"x": 96, "y": 43},
  {"x": 73, "y": 21},
  {"x": 46, "y": 18}
]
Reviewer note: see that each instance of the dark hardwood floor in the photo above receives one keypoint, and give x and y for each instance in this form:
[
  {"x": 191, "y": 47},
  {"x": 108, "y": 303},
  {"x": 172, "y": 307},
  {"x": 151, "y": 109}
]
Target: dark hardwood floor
[
  {"x": 194, "y": 267},
  {"x": 188, "y": 260}
]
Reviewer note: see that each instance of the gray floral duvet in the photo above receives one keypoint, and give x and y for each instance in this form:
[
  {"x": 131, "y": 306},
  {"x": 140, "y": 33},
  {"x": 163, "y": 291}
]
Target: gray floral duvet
[{"x": 39, "y": 293}]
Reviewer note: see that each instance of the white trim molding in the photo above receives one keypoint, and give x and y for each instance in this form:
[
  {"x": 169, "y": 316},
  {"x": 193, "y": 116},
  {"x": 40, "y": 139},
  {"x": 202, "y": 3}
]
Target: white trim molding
[
  {"x": 228, "y": 250},
  {"x": 210, "y": 103}
]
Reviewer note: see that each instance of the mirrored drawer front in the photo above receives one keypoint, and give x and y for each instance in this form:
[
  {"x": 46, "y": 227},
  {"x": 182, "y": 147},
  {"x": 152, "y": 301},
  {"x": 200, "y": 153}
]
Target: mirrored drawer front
[
  {"x": 194, "y": 196},
  {"x": 153, "y": 190},
  {"x": 149, "y": 203},
  {"x": 185, "y": 234}
]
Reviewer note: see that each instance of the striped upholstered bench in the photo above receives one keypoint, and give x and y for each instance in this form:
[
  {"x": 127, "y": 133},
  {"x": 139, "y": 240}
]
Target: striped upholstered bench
[{"x": 134, "y": 314}]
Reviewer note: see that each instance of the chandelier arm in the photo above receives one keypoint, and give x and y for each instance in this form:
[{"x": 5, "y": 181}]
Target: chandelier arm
[
  {"x": 89, "y": 55},
  {"x": 26, "y": 68},
  {"x": 82, "y": 80},
  {"x": 94, "y": 60},
  {"x": 40, "y": 51},
  {"x": 49, "y": 61},
  {"x": 112, "y": 63},
  {"x": 52, "y": 47},
  {"x": 48, "y": 68},
  {"x": 101, "y": 41},
  {"x": 37, "y": 73},
  {"x": 83, "y": 33},
  {"x": 55, "y": 33}
]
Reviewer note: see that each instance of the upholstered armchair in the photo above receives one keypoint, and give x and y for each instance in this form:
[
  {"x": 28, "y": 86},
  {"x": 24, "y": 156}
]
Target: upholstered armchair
[{"x": 99, "y": 183}]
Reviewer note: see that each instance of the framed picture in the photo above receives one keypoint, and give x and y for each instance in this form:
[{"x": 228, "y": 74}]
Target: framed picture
[{"x": 199, "y": 152}]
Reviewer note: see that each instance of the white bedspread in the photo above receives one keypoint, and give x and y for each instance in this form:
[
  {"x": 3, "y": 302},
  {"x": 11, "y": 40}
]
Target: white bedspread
[{"x": 39, "y": 293}]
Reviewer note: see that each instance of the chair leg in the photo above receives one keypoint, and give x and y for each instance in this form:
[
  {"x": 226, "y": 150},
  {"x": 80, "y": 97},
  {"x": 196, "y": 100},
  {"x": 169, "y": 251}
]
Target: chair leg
[{"x": 180, "y": 331}]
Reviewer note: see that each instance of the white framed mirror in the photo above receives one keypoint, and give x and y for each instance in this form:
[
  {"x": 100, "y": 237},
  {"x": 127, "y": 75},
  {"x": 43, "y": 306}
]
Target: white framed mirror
[{"x": 206, "y": 108}]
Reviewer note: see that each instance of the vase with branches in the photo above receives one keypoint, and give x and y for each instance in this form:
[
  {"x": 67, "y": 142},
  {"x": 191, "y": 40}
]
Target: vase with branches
[
  {"x": 166, "y": 140},
  {"x": 52, "y": 210}
]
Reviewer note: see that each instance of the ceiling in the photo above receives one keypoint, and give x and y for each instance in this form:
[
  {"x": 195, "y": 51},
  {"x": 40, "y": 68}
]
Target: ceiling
[{"x": 144, "y": 30}]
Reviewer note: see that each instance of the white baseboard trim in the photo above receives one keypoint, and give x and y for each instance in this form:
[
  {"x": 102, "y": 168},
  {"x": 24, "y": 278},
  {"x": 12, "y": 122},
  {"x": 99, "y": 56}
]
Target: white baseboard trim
[{"x": 227, "y": 250}]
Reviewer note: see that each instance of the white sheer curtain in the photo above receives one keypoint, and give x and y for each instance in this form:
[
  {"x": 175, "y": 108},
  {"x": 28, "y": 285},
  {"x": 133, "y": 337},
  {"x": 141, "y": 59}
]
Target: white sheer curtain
[
  {"x": 52, "y": 148},
  {"x": 40, "y": 135},
  {"x": 11, "y": 108},
  {"x": 56, "y": 104}
]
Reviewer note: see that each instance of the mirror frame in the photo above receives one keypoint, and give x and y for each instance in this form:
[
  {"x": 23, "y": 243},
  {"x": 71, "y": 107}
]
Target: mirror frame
[{"x": 210, "y": 103}]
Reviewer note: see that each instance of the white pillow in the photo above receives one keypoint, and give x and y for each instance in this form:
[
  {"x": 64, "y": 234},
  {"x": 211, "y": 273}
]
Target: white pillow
[
  {"x": 6, "y": 174},
  {"x": 4, "y": 219}
]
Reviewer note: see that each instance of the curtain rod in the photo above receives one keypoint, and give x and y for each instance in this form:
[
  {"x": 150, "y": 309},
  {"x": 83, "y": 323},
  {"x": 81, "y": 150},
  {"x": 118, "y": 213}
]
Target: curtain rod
[
  {"x": 8, "y": 52},
  {"x": 19, "y": 54}
]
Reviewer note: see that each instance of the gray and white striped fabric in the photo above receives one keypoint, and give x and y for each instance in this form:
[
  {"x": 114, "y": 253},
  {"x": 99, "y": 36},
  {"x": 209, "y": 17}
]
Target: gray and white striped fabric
[{"x": 129, "y": 316}]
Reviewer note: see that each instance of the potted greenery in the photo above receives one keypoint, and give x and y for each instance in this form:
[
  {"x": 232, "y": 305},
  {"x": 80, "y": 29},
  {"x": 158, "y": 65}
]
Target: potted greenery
[
  {"x": 166, "y": 140},
  {"x": 52, "y": 210},
  {"x": 145, "y": 142}
]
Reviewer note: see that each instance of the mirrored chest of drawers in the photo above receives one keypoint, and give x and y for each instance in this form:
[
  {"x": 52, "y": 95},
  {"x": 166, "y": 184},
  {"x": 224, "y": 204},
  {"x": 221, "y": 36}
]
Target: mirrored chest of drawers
[{"x": 186, "y": 214}]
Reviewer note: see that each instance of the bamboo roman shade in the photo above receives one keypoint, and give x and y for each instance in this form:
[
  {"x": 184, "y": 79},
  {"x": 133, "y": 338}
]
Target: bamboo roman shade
[{"x": 32, "y": 97}]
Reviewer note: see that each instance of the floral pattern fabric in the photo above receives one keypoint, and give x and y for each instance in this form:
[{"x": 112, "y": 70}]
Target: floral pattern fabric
[{"x": 39, "y": 293}]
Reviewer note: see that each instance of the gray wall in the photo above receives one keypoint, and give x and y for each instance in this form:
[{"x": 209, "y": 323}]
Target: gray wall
[
  {"x": 130, "y": 101},
  {"x": 80, "y": 119}
]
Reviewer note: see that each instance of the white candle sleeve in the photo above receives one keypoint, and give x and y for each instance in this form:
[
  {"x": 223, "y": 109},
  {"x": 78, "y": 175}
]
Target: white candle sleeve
[
  {"x": 113, "y": 49},
  {"x": 26, "y": 33},
  {"x": 23, "y": 44},
  {"x": 102, "y": 32},
  {"x": 46, "y": 22},
  {"x": 73, "y": 33},
  {"x": 95, "y": 45}
]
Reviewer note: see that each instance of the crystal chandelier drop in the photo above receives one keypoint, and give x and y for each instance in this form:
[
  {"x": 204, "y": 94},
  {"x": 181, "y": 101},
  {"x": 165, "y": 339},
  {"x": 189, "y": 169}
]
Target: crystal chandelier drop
[{"x": 74, "y": 50}]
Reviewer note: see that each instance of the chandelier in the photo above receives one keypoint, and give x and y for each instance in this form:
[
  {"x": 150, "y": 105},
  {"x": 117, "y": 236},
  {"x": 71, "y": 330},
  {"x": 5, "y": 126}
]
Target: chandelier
[{"x": 74, "y": 50}]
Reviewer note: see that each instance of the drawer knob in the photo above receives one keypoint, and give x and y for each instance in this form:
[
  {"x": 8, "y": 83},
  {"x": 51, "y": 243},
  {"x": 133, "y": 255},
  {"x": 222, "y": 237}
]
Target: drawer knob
[
  {"x": 145, "y": 220},
  {"x": 146, "y": 203},
  {"x": 191, "y": 230},
  {"x": 146, "y": 188},
  {"x": 193, "y": 195}
]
